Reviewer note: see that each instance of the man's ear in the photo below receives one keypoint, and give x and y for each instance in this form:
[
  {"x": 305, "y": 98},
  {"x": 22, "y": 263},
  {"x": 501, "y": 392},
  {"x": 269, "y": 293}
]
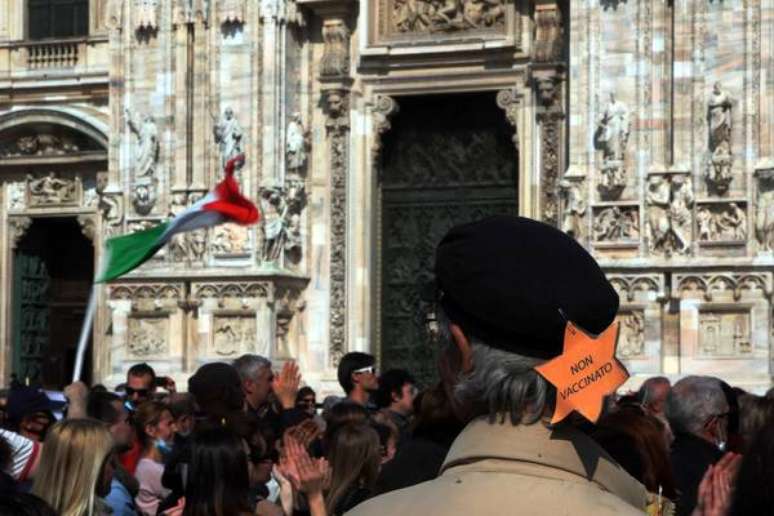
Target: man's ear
[{"x": 463, "y": 345}]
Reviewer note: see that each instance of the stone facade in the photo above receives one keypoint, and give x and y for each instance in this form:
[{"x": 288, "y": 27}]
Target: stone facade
[{"x": 642, "y": 128}]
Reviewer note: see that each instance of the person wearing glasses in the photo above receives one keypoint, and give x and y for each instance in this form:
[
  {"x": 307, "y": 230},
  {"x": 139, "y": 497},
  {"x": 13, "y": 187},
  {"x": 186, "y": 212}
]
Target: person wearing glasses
[{"x": 357, "y": 376}]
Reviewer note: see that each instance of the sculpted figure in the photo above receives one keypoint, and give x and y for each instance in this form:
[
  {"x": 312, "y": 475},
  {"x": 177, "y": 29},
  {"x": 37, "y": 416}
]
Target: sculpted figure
[
  {"x": 275, "y": 210},
  {"x": 574, "y": 209},
  {"x": 228, "y": 135},
  {"x": 613, "y": 129},
  {"x": 719, "y": 114},
  {"x": 147, "y": 152},
  {"x": 764, "y": 220},
  {"x": 295, "y": 142},
  {"x": 733, "y": 222},
  {"x": 657, "y": 199},
  {"x": 680, "y": 211},
  {"x": 51, "y": 189},
  {"x": 706, "y": 223}
]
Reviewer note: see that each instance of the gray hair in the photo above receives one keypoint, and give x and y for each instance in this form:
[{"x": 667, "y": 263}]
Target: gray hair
[
  {"x": 505, "y": 383},
  {"x": 692, "y": 401},
  {"x": 248, "y": 366}
]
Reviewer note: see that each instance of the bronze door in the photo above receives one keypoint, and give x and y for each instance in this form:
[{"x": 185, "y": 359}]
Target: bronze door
[{"x": 448, "y": 159}]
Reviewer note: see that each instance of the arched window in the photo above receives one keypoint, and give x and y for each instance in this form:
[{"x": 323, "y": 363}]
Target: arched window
[{"x": 57, "y": 18}]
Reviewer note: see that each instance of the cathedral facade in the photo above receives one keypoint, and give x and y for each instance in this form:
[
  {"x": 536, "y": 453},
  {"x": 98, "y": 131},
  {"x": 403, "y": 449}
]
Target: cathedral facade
[{"x": 642, "y": 128}]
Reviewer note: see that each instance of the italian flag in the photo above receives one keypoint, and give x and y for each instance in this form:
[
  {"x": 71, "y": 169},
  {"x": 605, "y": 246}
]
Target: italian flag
[{"x": 223, "y": 204}]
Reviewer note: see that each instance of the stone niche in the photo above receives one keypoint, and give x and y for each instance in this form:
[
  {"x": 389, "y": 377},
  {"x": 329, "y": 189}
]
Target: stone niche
[
  {"x": 639, "y": 338},
  {"x": 725, "y": 324},
  {"x": 147, "y": 323},
  {"x": 233, "y": 319}
]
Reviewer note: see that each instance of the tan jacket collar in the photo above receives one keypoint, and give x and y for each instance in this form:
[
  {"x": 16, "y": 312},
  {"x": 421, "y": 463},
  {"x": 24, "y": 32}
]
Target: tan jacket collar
[{"x": 564, "y": 449}]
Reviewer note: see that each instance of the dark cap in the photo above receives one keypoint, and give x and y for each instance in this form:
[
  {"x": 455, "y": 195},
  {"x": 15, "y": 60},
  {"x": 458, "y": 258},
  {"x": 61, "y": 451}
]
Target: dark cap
[
  {"x": 217, "y": 389},
  {"x": 515, "y": 282},
  {"x": 25, "y": 401}
]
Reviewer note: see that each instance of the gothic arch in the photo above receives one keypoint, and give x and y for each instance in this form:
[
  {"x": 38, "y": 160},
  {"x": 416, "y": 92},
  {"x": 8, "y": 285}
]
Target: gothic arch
[{"x": 87, "y": 124}]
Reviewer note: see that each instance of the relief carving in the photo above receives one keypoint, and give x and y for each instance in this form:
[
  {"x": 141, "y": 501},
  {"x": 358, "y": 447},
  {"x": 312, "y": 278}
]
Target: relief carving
[
  {"x": 222, "y": 291},
  {"x": 228, "y": 135},
  {"x": 233, "y": 334},
  {"x": 51, "y": 190},
  {"x": 573, "y": 208},
  {"x": 88, "y": 226},
  {"x": 17, "y": 228},
  {"x": 177, "y": 246},
  {"x": 550, "y": 118},
  {"x": 446, "y": 15},
  {"x": 724, "y": 333},
  {"x": 631, "y": 340},
  {"x": 337, "y": 125},
  {"x": 669, "y": 200},
  {"x": 385, "y": 108},
  {"x": 40, "y": 144},
  {"x": 617, "y": 224},
  {"x": 719, "y": 106},
  {"x": 288, "y": 304},
  {"x": 281, "y": 208},
  {"x": 148, "y": 336},
  {"x": 652, "y": 286},
  {"x": 611, "y": 137},
  {"x": 548, "y": 33},
  {"x": 708, "y": 285},
  {"x": 144, "y": 195},
  {"x": 110, "y": 205},
  {"x": 196, "y": 242},
  {"x": 335, "y": 59},
  {"x": 508, "y": 101},
  {"x": 230, "y": 240},
  {"x": 17, "y": 196},
  {"x": 721, "y": 222}
]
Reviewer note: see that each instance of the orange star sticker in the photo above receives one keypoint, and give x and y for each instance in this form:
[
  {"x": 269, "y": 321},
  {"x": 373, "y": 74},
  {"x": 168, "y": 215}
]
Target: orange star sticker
[{"x": 584, "y": 373}]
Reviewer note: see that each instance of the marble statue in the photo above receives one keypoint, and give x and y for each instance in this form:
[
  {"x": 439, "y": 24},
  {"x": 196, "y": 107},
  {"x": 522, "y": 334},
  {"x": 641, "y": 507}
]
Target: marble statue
[{"x": 147, "y": 153}]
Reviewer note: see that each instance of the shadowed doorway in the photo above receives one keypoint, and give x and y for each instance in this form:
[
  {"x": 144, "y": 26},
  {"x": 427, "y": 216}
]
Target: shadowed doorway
[
  {"x": 448, "y": 159},
  {"x": 53, "y": 268}
]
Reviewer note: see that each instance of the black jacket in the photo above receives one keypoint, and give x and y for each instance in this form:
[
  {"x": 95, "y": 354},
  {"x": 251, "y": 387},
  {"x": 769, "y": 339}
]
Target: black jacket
[{"x": 691, "y": 456}]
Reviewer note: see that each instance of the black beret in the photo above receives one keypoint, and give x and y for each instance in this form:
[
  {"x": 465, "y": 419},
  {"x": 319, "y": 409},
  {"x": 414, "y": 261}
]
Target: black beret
[{"x": 515, "y": 282}]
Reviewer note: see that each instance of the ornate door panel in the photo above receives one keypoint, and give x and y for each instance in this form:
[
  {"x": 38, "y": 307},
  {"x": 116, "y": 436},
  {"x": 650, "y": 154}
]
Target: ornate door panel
[
  {"x": 30, "y": 323},
  {"x": 449, "y": 159}
]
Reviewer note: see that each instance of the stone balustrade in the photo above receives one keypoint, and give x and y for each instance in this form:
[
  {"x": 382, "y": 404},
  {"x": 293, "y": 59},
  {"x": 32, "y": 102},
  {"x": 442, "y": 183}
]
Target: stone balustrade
[{"x": 52, "y": 54}]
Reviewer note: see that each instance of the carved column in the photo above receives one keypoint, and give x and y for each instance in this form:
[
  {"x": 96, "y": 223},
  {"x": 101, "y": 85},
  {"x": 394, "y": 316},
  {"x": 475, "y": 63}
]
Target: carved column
[
  {"x": 334, "y": 70},
  {"x": 550, "y": 118}
]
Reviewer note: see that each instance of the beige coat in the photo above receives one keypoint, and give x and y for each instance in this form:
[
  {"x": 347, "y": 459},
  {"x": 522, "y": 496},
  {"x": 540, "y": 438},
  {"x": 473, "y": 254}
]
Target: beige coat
[{"x": 502, "y": 469}]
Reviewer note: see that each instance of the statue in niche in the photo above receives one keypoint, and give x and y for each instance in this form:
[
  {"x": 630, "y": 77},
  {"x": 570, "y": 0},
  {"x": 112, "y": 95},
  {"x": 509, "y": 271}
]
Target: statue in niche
[
  {"x": 705, "y": 220},
  {"x": 147, "y": 154},
  {"x": 719, "y": 114},
  {"x": 281, "y": 208},
  {"x": 296, "y": 143},
  {"x": 764, "y": 220},
  {"x": 50, "y": 189},
  {"x": 574, "y": 208},
  {"x": 228, "y": 135},
  {"x": 611, "y": 136},
  {"x": 657, "y": 199}
]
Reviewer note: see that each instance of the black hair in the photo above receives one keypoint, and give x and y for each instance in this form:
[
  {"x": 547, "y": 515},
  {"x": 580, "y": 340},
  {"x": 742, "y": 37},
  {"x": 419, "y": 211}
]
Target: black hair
[
  {"x": 99, "y": 406},
  {"x": 24, "y": 504},
  {"x": 351, "y": 362},
  {"x": 754, "y": 491},
  {"x": 304, "y": 392},
  {"x": 391, "y": 382},
  {"x": 218, "y": 478},
  {"x": 142, "y": 369}
]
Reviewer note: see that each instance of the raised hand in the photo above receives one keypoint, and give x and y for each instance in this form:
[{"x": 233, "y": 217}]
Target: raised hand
[{"x": 285, "y": 385}]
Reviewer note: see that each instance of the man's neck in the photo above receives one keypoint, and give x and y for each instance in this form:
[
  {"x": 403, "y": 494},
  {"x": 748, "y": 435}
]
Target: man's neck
[{"x": 359, "y": 396}]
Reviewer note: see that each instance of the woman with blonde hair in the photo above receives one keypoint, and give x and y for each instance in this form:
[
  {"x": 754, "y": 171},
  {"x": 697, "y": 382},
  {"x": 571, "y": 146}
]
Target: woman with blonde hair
[{"x": 74, "y": 468}]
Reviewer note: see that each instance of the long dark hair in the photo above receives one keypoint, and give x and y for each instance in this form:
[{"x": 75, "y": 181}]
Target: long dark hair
[
  {"x": 354, "y": 458},
  {"x": 218, "y": 478},
  {"x": 754, "y": 490}
]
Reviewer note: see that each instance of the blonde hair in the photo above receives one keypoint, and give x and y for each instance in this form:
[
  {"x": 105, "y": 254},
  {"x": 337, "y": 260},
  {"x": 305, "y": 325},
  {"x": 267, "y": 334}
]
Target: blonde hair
[{"x": 74, "y": 454}]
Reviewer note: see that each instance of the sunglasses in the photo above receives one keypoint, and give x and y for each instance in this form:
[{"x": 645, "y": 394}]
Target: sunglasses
[
  {"x": 140, "y": 392},
  {"x": 362, "y": 370}
]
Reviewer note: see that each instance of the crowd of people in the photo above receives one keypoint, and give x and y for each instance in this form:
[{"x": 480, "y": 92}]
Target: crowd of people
[{"x": 246, "y": 438}]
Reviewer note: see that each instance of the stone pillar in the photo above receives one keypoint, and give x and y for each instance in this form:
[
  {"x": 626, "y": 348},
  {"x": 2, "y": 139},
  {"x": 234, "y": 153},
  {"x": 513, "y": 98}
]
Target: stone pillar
[{"x": 548, "y": 84}]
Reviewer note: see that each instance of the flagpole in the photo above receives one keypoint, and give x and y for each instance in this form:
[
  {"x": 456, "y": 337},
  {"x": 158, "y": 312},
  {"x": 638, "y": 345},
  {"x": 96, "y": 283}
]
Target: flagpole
[{"x": 85, "y": 331}]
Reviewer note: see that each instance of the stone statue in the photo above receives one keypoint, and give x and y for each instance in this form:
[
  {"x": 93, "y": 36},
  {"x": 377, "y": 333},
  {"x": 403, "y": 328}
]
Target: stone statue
[
  {"x": 611, "y": 137},
  {"x": 295, "y": 144},
  {"x": 144, "y": 196},
  {"x": 680, "y": 212},
  {"x": 51, "y": 189},
  {"x": 178, "y": 246},
  {"x": 657, "y": 199},
  {"x": 705, "y": 221},
  {"x": 197, "y": 244},
  {"x": 733, "y": 223},
  {"x": 147, "y": 153},
  {"x": 719, "y": 114},
  {"x": 616, "y": 224},
  {"x": 764, "y": 220},
  {"x": 228, "y": 135},
  {"x": 275, "y": 211},
  {"x": 574, "y": 208}
]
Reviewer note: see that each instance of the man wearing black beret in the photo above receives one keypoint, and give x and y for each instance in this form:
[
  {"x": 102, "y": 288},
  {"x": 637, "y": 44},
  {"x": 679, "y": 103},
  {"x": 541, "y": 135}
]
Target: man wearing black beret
[{"x": 506, "y": 288}]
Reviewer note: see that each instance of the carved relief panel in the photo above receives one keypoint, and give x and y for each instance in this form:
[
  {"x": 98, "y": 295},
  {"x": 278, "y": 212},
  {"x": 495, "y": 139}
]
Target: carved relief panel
[
  {"x": 724, "y": 323},
  {"x": 431, "y": 21},
  {"x": 232, "y": 335}
]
